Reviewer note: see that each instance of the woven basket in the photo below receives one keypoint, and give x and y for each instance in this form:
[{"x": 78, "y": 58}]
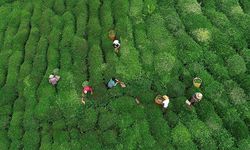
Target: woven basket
[
  {"x": 123, "y": 85},
  {"x": 158, "y": 100},
  {"x": 197, "y": 82},
  {"x": 112, "y": 35}
]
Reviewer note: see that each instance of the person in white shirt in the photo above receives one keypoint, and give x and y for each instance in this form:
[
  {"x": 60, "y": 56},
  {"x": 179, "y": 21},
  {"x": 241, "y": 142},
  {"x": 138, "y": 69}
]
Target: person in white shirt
[
  {"x": 162, "y": 100},
  {"x": 165, "y": 101},
  {"x": 116, "y": 45}
]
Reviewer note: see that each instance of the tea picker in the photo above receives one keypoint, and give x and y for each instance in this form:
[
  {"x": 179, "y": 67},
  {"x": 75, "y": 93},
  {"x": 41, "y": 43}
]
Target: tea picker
[
  {"x": 116, "y": 42},
  {"x": 194, "y": 99},
  {"x": 54, "y": 77},
  {"x": 116, "y": 45},
  {"x": 113, "y": 82},
  {"x": 86, "y": 89},
  {"x": 162, "y": 100}
]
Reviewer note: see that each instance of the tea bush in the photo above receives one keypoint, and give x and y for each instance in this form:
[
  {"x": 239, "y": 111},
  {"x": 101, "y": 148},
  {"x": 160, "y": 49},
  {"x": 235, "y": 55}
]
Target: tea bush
[
  {"x": 94, "y": 6},
  {"x": 189, "y": 51},
  {"x": 202, "y": 135},
  {"x": 236, "y": 65},
  {"x": 244, "y": 144},
  {"x": 94, "y": 30},
  {"x": 164, "y": 45},
  {"x": 182, "y": 138},
  {"x": 109, "y": 138},
  {"x": 59, "y": 7},
  {"x": 31, "y": 139},
  {"x": 224, "y": 139},
  {"x": 246, "y": 5},
  {"x": 45, "y": 28},
  {"x": 135, "y": 10},
  {"x": 4, "y": 142},
  {"x": 30, "y": 49},
  {"x": 90, "y": 140},
  {"x": 129, "y": 66},
  {"x": 246, "y": 55},
  {"x": 88, "y": 120},
  {"x": 80, "y": 11}
]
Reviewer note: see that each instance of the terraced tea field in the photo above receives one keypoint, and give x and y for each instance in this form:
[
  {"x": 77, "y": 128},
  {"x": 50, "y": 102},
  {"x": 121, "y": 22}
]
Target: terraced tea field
[{"x": 164, "y": 45}]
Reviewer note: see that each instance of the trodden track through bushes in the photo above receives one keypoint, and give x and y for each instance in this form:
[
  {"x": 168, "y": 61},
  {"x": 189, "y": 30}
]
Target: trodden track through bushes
[{"x": 164, "y": 45}]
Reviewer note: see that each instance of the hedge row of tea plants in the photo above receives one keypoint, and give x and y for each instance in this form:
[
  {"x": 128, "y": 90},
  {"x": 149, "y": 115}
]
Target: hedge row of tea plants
[{"x": 164, "y": 45}]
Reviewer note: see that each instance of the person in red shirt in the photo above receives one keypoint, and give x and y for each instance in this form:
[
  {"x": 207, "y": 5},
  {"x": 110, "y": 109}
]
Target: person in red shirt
[{"x": 87, "y": 89}]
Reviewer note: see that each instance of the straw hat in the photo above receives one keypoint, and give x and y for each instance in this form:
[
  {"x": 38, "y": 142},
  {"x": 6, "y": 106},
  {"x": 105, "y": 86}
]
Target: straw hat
[
  {"x": 165, "y": 97},
  {"x": 199, "y": 96},
  {"x": 51, "y": 76}
]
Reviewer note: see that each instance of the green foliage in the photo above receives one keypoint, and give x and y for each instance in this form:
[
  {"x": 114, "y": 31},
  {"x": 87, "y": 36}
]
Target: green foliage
[
  {"x": 182, "y": 138},
  {"x": 109, "y": 137},
  {"x": 15, "y": 130},
  {"x": 70, "y": 4},
  {"x": 46, "y": 138},
  {"x": 214, "y": 90},
  {"x": 224, "y": 139},
  {"x": 239, "y": 130},
  {"x": 81, "y": 24},
  {"x": 104, "y": 116},
  {"x": 158, "y": 34},
  {"x": 171, "y": 17},
  {"x": 93, "y": 31},
  {"x": 31, "y": 139},
  {"x": 236, "y": 65},
  {"x": 235, "y": 93},
  {"x": 165, "y": 64},
  {"x": 94, "y": 6},
  {"x": 120, "y": 9},
  {"x": 245, "y": 83},
  {"x": 246, "y": 5},
  {"x": 59, "y": 7},
  {"x": 220, "y": 72},
  {"x": 246, "y": 55},
  {"x": 136, "y": 7},
  {"x": 90, "y": 140},
  {"x": 61, "y": 139},
  {"x": 190, "y": 50},
  {"x": 164, "y": 45},
  {"x": 88, "y": 120},
  {"x": 96, "y": 65},
  {"x": 106, "y": 16},
  {"x": 244, "y": 144},
  {"x": 4, "y": 142},
  {"x": 201, "y": 134},
  {"x": 45, "y": 27},
  {"x": 207, "y": 114},
  {"x": 149, "y": 6},
  {"x": 129, "y": 66}
]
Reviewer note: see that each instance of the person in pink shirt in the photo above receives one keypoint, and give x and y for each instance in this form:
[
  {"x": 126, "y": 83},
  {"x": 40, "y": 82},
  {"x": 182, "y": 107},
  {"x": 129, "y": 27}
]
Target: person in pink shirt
[
  {"x": 87, "y": 89},
  {"x": 53, "y": 79}
]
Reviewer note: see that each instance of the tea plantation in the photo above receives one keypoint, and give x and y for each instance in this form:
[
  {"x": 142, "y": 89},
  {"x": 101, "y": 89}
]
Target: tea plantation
[{"x": 164, "y": 45}]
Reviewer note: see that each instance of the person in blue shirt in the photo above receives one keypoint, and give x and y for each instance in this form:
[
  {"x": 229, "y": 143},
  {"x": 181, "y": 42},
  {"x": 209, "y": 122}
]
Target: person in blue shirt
[{"x": 112, "y": 83}]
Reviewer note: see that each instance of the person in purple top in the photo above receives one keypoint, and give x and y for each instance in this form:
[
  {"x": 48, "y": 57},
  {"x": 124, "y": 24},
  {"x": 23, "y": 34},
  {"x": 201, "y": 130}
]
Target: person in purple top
[{"x": 53, "y": 79}]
